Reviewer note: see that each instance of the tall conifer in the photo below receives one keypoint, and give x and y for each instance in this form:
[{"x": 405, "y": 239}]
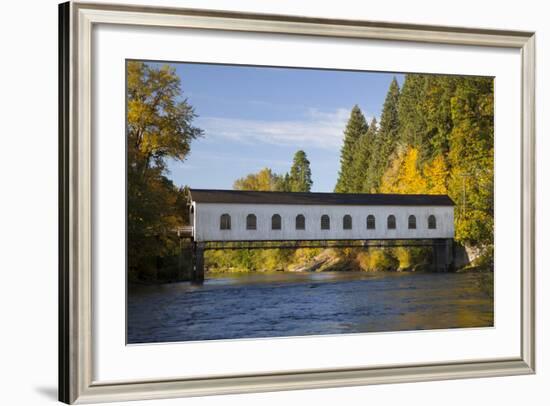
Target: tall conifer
[
  {"x": 300, "y": 173},
  {"x": 363, "y": 157},
  {"x": 386, "y": 138},
  {"x": 355, "y": 128}
]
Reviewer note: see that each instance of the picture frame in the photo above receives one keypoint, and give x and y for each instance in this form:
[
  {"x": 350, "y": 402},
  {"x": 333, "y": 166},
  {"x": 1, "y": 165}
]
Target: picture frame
[{"x": 76, "y": 215}]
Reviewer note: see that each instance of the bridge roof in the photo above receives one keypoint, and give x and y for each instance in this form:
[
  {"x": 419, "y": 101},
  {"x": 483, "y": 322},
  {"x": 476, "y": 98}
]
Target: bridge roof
[{"x": 308, "y": 198}]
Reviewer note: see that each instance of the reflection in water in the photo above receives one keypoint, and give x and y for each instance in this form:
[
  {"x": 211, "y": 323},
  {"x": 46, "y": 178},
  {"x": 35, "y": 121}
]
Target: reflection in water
[{"x": 282, "y": 304}]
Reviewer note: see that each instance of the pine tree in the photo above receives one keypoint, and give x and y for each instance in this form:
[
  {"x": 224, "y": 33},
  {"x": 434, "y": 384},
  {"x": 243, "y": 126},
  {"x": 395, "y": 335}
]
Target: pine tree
[
  {"x": 300, "y": 173},
  {"x": 355, "y": 128}
]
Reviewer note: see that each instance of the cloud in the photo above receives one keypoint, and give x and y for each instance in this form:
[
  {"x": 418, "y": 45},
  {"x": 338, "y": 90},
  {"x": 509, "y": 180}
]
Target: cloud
[
  {"x": 316, "y": 128},
  {"x": 204, "y": 159}
]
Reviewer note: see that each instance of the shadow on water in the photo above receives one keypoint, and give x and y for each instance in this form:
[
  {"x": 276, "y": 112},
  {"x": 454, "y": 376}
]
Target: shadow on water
[{"x": 253, "y": 305}]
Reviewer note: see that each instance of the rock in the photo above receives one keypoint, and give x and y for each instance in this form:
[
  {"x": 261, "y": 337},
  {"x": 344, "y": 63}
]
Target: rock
[{"x": 326, "y": 260}]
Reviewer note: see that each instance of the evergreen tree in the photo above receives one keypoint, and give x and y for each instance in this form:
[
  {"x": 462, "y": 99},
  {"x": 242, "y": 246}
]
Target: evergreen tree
[
  {"x": 386, "y": 139},
  {"x": 355, "y": 128},
  {"x": 300, "y": 173},
  {"x": 437, "y": 113},
  {"x": 282, "y": 183},
  {"x": 362, "y": 157},
  {"x": 412, "y": 123}
]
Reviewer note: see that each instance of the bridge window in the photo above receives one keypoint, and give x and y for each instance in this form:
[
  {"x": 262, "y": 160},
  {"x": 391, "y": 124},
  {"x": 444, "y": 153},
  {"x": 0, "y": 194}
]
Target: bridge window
[
  {"x": 251, "y": 222},
  {"x": 325, "y": 222},
  {"x": 225, "y": 222},
  {"x": 391, "y": 222},
  {"x": 300, "y": 222},
  {"x": 412, "y": 222},
  {"x": 371, "y": 222},
  {"x": 347, "y": 222},
  {"x": 432, "y": 224},
  {"x": 275, "y": 222}
]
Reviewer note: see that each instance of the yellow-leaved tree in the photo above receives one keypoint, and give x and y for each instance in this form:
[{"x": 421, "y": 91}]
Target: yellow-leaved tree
[
  {"x": 264, "y": 180},
  {"x": 403, "y": 175},
  {"x": 159, "y": 128},
  {"x": 436, "y": 173}
]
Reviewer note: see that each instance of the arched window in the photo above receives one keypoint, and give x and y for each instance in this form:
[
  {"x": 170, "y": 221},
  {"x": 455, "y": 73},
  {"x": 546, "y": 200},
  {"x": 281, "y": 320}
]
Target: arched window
[
  {"x": 325, "y": 222},
  {"x": 225, "y": 222},
  {"x": 300, "y": 222},
  {"x": 412, "y": 222},
  {"x": 275, "y": 222},
  {"x": 371, "y": 222},
  {"x": 432, "y": 224},
  {"x": 347, "y": 222},
  {"x": 391, "y": 222},
  {"x": 251, "y": 222}
]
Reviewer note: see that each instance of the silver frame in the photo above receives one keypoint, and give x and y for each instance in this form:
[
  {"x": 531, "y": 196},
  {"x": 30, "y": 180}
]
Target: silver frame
[{"x": 75, "y": 310}]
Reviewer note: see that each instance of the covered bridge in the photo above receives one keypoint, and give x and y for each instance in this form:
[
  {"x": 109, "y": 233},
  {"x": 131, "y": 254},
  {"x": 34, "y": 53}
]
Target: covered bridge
[{"x": 232, "y": 216}]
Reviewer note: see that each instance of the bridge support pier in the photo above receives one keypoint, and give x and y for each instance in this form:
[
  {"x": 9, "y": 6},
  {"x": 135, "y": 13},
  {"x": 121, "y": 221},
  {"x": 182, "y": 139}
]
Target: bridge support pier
[
  {"x": 443, "y": 254},
  {"x": 197, "y": 265}
]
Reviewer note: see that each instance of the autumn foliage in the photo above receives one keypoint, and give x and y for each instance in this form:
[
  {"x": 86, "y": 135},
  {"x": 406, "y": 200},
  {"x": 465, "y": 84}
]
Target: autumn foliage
[{"x": 158, "y": 128}]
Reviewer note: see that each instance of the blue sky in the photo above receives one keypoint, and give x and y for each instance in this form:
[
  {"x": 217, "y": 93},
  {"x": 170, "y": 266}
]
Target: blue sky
[{"x": 257, "y": 117}]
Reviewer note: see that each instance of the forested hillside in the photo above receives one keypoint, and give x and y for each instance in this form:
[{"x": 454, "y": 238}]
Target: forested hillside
[{"x": 435, "y": 136}]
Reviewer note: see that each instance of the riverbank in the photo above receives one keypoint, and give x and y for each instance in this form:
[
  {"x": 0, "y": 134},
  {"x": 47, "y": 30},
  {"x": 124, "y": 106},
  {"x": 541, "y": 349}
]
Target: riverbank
[
  {"x": 336, "y": 260},
  {"x": 305, "y": 260}
]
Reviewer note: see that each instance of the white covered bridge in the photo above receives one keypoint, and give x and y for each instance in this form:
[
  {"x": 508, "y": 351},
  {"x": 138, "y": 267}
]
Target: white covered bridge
[{"x": 222, "y": 218}]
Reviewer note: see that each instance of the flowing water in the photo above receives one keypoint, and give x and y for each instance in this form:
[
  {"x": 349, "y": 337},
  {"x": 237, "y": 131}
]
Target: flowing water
[{"x": 255, "y": 305}]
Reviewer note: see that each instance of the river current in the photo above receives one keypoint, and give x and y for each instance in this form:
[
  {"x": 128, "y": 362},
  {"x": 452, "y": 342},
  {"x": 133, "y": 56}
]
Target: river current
[{"x": 253, "y": 305}]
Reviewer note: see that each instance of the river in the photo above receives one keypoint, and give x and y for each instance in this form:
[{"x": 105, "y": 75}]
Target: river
[{"x": 252, "y": 305}]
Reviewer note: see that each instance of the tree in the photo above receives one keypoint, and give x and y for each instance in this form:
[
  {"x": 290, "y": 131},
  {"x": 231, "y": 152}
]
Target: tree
[
  {"x": 362, "y": 158},
  {"x": 403, "y": 176},
  {"x": 471, "y": 158},
  {"x": 386, "y": 138},
  {"x": 282, "y": 183},
  {"x": 298, "y": 180},
  {"x": 159, "y": 126},
  {"x": 436, "y": 173},
  {"x": 264, "y": 180},
  {"x": 300, "y": 173},
  {"x": 412, "y": 120},
  {"x": 355, "y": 128},
  {"x": 443, "y": 145},
  {"x": 159, "y": 123}
]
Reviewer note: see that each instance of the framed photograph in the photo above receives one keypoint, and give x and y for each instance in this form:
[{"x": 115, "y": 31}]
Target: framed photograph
[{"x": 262, "y": 202}]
